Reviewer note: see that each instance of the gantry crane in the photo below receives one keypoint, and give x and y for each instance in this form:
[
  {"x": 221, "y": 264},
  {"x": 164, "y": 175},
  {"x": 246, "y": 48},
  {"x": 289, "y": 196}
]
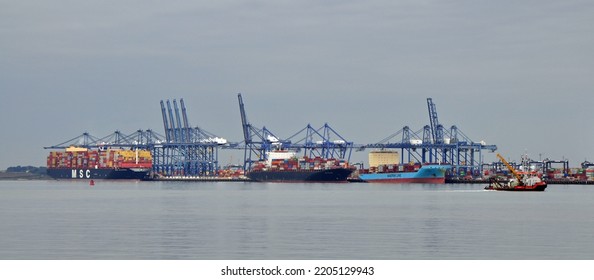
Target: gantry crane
[
  {"x": 434, "y": 144},
  {"x": 258, "y": 142},
  {"x": 324, "y": 142}
]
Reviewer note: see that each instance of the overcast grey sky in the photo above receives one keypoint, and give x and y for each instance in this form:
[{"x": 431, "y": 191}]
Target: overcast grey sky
[{"x": 518, "y": 74}]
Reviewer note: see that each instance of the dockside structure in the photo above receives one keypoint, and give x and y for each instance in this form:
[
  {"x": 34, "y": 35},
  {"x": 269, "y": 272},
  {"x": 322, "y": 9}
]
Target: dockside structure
[
  {"x": 192, "y": 151},
  {"x": 434, "y": 144}
]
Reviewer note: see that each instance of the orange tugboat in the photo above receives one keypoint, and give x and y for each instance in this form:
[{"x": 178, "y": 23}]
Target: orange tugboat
[{"x": 520, "y": 182}]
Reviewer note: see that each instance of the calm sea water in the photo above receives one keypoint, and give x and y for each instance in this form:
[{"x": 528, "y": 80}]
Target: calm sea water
[{"x": 165, "y": 220}]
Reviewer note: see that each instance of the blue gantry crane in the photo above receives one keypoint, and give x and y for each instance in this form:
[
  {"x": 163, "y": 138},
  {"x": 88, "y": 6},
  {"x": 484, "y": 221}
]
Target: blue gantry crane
[
  {"x": 434, "y": 144},
  {"x": 257, "y": 142},
  {"x": 436, "y": 128},
  {"x": 186, "y": 151},
  {"x": 143, "y": 139},
  {"x": 182, "y": 151},
  {"x": 323, "y": 142}
]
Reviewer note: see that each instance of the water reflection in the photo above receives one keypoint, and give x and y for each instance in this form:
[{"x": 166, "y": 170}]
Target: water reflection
[{"x": 157, "y": 220}]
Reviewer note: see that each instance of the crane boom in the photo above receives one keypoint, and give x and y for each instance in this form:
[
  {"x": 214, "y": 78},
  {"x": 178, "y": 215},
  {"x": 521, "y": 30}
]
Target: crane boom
[
  {"x": 511, "y": 169},
  {"x": 187, "y": 129},
  {"x": 180, "y": 132},
  {"x": 244, "y": 122},
  {"x": 165, "y": 123},
  {"x": 436, "y": 128},
  {"x": 171, "y": 122}
]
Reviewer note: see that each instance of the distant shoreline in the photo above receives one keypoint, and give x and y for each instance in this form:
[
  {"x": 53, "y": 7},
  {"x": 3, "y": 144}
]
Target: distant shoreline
[{"x": 22, "y": 176}]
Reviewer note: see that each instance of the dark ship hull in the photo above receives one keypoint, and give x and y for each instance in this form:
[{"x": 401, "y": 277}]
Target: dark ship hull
[
  {"x": 101, "y": 173},
  {"x": 326, "y": 175}
]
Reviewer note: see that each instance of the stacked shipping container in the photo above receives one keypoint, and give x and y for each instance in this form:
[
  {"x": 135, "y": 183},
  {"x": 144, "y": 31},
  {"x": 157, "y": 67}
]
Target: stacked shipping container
[
  {"x": 392, "y": 168},
  {"x": 79, "y": 158},
  {"x": 301, "y": 164}
]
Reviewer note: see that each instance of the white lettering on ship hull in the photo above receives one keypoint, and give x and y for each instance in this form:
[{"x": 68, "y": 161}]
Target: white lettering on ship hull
[{"x": 82, "y": 174}]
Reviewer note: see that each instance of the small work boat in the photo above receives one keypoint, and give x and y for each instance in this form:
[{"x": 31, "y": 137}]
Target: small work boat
[
  {"x": 534, "y": 184},
  {"x": 520, "y": 182}
]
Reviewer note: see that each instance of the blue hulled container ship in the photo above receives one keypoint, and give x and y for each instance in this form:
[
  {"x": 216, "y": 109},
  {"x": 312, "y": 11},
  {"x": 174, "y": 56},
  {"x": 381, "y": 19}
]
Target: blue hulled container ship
[
  {"x": 386, "y": 167},
  {"x": 428, "y": 174}
]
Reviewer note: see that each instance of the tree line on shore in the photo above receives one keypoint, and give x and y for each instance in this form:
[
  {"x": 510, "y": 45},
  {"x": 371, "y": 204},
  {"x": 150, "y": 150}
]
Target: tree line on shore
[{"x": 27, "y": 169}]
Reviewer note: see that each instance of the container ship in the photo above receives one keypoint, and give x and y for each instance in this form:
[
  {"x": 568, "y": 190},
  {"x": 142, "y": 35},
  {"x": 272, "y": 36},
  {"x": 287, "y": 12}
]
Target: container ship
[
  {"x": 410, "y": 173},
  {"x": 284, "y": 166},
  {"x": 83, "y": 163},
  {"x": 385, "y": 167}
]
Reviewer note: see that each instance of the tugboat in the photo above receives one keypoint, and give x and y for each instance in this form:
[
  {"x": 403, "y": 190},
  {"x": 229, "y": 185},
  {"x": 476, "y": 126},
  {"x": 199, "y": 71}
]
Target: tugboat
[{"x": 520, "y": 182}]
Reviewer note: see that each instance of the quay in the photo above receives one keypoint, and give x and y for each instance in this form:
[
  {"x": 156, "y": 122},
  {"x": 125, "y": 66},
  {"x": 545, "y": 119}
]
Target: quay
[
  {"x": 548, "y": 181},
  {"x": 199, "y": 179}
]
